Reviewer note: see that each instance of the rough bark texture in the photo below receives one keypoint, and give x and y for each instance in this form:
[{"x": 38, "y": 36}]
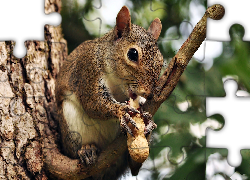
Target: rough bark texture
[{"x": 26, "y": 90}]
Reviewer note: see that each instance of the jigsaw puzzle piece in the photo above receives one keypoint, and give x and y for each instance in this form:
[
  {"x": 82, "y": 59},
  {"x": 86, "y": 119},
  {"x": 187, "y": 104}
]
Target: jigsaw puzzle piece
[
  {"x": 98, "y": 22},
  {"x": 191, "y": 84},
  {"x": 175, "y": 134},
  {"x": 176, "y": 35},
  {"x": 194, "y": 168},
  {"x": 194, "y": 162},
  {"x": 170, "y": 42},
  {"x": 180, "y": 31},
  {"x": 36, "y": 67},
  {"x": 235, "y": 12},
  {"x": 93, "y": 22},
  {"x": 94, "y": 18},
  {"x": 177, "y": 28},
  {"x": 232, "y": 62},
  {"x": 159, "y": 166},
  {"x": 183, "y": 124},
  {"x": 26, "y": 26},
  {"x": 160, "y": 9},
  {"x": 231, "y": 107}
]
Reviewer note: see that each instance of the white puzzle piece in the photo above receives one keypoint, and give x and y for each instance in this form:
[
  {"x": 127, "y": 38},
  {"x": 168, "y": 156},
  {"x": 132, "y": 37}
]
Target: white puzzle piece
[
  {"x": 236, "y": 12},
  {"x": 26, "y": 20},
  {"x": 235, "y": 132}
]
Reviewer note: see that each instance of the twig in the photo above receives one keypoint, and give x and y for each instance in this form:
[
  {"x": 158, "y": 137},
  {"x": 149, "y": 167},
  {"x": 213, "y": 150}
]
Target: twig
[{"x": 177, "y": 65}]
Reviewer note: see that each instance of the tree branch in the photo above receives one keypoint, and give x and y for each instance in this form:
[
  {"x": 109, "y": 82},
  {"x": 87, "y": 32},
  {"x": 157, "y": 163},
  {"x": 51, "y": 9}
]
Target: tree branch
[{"x": 179, "y": 62}]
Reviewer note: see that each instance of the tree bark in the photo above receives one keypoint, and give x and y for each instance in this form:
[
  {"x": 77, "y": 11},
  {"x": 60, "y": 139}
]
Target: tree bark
[{"x": 26, "y": 92}]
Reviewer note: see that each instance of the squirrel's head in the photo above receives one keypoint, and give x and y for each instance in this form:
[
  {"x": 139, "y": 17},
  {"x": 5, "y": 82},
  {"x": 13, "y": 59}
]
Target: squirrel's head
[{"x": 138, "y": 59}]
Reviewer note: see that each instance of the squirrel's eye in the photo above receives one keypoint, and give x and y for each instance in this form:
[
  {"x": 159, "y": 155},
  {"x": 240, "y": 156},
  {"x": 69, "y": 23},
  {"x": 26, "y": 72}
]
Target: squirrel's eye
[{"x": 133, "y": 54}]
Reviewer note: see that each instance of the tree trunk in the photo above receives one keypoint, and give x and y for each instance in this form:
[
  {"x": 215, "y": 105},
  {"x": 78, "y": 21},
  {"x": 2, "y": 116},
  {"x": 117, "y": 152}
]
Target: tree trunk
[{"x": 26, "y": 94}]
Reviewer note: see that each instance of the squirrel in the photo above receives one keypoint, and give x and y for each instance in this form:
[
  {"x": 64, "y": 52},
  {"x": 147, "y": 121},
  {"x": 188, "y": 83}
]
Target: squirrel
[{"x": 97, "y": 80}]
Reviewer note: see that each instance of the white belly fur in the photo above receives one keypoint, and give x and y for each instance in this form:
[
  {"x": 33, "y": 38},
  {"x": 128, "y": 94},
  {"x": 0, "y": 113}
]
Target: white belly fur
[{"x": 100, "y": 132}]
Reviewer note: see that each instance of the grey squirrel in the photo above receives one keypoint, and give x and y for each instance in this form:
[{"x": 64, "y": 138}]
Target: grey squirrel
[{"x": 95, "y": 82}]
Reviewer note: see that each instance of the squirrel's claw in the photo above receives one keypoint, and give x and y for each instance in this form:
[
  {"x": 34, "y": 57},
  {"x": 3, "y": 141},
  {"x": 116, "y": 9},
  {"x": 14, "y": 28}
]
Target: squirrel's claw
[
  {"x": 124, "y": 126},
  {"x": 149, "y": 127},
  {"x": 129, "y": 119},
  {"x": 125, "y": 119}
]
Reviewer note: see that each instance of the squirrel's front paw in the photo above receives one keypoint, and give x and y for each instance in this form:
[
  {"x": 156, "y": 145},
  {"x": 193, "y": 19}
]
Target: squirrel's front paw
[
  {"x": 150, "y": 125},
  {"x": 125, "y": 118},
  {"x": 88, "y": 154}
]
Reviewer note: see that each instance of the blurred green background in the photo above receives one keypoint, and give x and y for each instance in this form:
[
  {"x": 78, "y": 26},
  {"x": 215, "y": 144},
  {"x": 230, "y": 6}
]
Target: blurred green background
[{"x": 182, "y": 118}]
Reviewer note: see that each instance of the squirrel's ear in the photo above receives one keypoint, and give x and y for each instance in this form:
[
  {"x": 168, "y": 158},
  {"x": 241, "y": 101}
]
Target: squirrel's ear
[
  {"x": 123, "y": 21},
  {"x": 155, "y": 28}
]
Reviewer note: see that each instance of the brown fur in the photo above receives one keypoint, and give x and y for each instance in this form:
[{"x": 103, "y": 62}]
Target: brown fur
[{"x": 99, "y": 74}]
